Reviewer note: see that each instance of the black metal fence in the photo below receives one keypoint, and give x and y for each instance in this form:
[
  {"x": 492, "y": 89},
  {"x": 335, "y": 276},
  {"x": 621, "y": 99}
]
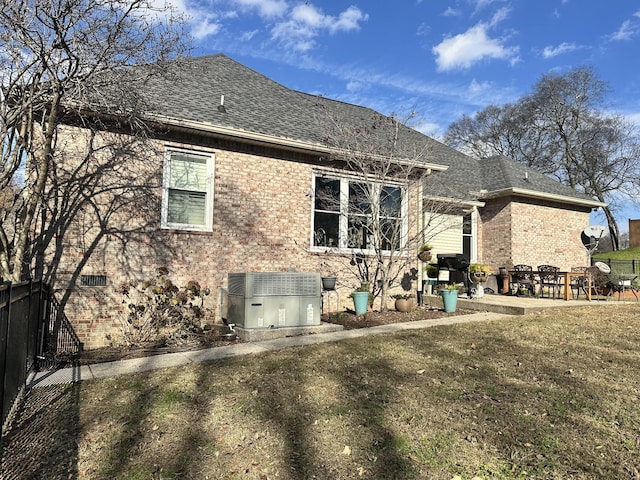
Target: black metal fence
[
  {"x": 24, "y": 308},
  {"x": 621, "y": 266},
  {"x": 34, "y": 333}
]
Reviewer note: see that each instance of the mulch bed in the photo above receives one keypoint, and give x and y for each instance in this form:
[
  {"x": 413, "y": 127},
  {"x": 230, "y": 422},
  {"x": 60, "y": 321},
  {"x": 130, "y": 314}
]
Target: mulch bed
[{"x": 212, "y": 338}]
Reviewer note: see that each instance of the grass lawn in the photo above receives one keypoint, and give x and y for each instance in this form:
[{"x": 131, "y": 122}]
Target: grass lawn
[{"x": 554, "y": 395}]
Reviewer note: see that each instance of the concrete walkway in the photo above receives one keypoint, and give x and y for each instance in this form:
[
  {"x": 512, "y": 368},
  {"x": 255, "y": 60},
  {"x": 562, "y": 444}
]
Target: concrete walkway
[{"x": 143, "y": 364}]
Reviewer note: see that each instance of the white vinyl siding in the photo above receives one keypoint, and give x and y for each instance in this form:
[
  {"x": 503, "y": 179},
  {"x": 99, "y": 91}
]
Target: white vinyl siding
[
  {"x": 448, "y": 238},
  {"x": 187, "y": 200},
  {"x": 449, "y": 233}
]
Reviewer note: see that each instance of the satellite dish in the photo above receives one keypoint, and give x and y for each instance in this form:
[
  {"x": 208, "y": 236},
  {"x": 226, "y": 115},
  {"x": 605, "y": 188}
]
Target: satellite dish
[
  {"x": 595, "y": 230},
  {"x": 591, "y": 236},
  {"x": 603, "y": 267}
]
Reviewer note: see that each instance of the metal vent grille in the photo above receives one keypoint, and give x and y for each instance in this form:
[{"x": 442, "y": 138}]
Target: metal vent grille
[
  {"x": 93, "y": 280},
  {"x": 236, "y": 284},
  {"x": 295, "y": 284}
]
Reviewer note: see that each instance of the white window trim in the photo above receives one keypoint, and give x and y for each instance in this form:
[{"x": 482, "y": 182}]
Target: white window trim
[
  {"x": 344, "y": 215},
  {"x": 474, "y": 236},
  {"x": 166, "y": 176}
]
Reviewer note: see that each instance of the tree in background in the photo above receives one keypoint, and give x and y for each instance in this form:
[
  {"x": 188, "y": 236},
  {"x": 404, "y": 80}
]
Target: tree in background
[
  {"x": 561, "y": 129},
  {"x": 60, "y": 62}
]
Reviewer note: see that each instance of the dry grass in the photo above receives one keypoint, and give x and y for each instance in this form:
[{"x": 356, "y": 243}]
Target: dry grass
[{"x": 553, "y": 395}]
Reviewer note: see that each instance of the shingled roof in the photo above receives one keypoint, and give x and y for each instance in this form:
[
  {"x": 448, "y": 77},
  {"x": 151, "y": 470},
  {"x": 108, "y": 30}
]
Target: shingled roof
[{"x": 260, "y": 110}]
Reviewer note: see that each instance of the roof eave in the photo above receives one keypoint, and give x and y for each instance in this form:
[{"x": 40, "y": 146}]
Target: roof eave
[
  {"x": 522, "y": 192},
  {"x": 265, "y": 140},
  {"x": 459, "y": 201}
]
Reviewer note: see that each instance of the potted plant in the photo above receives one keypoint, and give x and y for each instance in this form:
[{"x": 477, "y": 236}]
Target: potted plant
[
  {"x": 479, "y": 272},
  {"x": 449, "y": 293},
  {"x": 424, "y": 252},
  {"x": 432, "y": 277},
  {"x": 404, "y": 302},
  {"x": 361, "y": 300}
]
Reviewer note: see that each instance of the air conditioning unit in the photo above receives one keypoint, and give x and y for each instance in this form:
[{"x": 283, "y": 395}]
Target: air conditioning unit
[{"x": 274, "y": 299}]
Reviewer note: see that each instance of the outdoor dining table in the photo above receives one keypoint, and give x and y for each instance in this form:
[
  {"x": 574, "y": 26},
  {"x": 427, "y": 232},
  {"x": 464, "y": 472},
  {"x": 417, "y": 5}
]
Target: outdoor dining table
[{"x": 567, "y": 275}]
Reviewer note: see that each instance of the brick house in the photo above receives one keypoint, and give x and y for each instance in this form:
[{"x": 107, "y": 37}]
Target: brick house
[{"x": 241, "y": 159}]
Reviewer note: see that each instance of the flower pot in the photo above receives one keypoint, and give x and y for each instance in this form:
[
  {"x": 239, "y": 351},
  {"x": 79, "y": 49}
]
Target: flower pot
[
  {"x": 360, "y": 302},
  {"x": 479, "y": 277},
  {"x": 328, "y": 283},
  {"x": 404, "y": 304},
  {"x": 450, "y": 300},
  {"x": 425, "y": 255}
]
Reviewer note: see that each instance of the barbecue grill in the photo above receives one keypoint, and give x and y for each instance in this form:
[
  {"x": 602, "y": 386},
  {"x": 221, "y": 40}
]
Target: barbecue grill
[
  {"x": 457, "y": 264},
  {"x": 453, "y": 262}
]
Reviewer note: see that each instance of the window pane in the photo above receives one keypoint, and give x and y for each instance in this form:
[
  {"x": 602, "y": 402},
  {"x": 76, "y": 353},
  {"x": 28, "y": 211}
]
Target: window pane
[
  {"x": 186, "y": 207},
  {"x": 358, "y": 233},
  {"x": 326, "y": 229},
  {"x": 327, "y": 194},
  {"x": 359, "y": 198},
  {"x": 390, "y": 232},
  {"x": 390, "y": 202},
  {"x": 466, "y": 224},
  {"x": 188, "y": 172}
]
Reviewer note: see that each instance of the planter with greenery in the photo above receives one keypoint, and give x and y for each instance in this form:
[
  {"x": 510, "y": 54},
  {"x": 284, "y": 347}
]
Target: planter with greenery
[
  {"x": 424, "y": 252},
  {"x": 479, "y": 272},
  {"x": 449, "y": 294}
]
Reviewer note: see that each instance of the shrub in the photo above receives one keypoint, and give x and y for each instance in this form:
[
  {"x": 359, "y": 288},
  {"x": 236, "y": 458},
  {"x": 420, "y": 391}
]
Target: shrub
[{"x": 157, "y": 308}]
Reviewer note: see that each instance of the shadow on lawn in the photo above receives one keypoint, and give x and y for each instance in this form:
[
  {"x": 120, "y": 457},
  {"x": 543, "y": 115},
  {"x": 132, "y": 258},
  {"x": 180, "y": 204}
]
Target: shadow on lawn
[
  {"x": 42, "y": 443},
  {"x": 487, "y": 402}
]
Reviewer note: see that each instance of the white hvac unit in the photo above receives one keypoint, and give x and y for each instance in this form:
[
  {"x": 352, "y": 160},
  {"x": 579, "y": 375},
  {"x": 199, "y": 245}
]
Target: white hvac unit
[{"x": 274, "y": 299}]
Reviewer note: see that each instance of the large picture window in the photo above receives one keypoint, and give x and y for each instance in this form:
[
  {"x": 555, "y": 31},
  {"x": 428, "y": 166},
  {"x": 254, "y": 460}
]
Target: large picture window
[
  {"x": 187, "y": 200},
  {"x": 353, "y": 215}
]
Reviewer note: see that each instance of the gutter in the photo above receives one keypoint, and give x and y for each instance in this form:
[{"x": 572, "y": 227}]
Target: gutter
[
  {"x": 523, "y": 192},
  {"x": 266, "y": 140}
]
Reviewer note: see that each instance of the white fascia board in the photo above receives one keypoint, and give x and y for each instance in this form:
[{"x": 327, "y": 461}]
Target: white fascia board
[
  {"x": 459, "y": 201},
  {"x": 522, "y": 192}
]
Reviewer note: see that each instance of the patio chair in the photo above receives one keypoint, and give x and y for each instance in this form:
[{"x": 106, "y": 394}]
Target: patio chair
[
  {"x": 522, "y": 277},
  {"x": 623, "y": 282},
  {"x": 578, "y": 283},
  {"x": 548, "y": 277}
]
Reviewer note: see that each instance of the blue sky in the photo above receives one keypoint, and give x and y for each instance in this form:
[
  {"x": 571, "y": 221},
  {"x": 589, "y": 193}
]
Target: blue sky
[{"x": 441, "y": 58}]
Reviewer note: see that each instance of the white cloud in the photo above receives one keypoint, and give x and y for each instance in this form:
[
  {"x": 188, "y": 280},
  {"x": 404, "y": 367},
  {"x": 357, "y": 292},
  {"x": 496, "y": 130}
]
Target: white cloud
[
  {"x": 306, "y": 22},
  {"x": 354, "y": 85},
  {"x": 466, "y": 49},
  {"x": 500, "y": 15},
  {"x": 451, "y": 12},
  {"x": 265, "y": 8},
  {"x": 629, "y": 29},
  {"x": 204, "y": 28},
  {"x": 550, "y": 52},
  {"x": 247, "y": 36}
]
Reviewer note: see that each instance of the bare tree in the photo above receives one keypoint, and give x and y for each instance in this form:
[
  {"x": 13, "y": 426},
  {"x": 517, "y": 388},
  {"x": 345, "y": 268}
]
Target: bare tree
[
  {"x": 562, "y": 130},
  {"x": 385, "y": 203},
  {"x": 61, "y": 62}
]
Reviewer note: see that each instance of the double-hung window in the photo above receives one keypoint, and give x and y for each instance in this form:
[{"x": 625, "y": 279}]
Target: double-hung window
[
  {"x": 349, "y": 214},
  {"x": 187, "y": 197}
]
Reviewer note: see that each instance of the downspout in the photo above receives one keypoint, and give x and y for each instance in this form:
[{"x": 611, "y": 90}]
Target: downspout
[{"x": 419, "y": 234}]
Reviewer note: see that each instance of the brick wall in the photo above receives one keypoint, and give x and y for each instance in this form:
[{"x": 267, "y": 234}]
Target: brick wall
[
  {"x": 262, "y": 217},
  {"x": 534, "y": 233}
]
